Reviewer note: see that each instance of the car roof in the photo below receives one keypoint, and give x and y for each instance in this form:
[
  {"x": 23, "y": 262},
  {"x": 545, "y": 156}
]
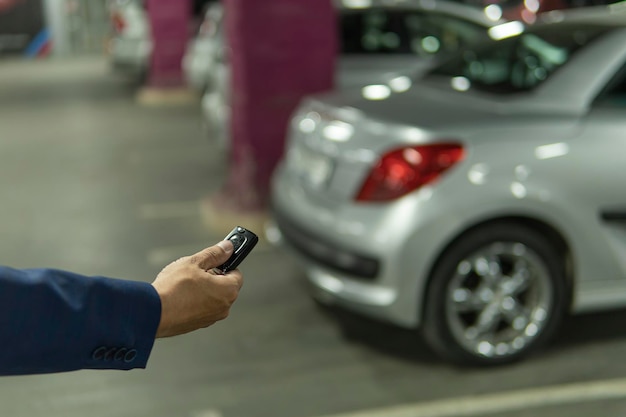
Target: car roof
[
  {"x": 462, "y": 11},
  {"x": 611, "y": 15}
]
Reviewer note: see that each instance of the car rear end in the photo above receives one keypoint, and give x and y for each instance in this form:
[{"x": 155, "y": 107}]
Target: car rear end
[{"x": 350, "y": 198}]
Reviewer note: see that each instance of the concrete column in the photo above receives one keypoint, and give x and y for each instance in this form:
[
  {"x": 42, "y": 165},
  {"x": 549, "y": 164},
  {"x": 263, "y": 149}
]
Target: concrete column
[
  {"x": 280, "y": 50},
  {"x": 169, "y": 22},
  {"x": 170, "y": 28}
]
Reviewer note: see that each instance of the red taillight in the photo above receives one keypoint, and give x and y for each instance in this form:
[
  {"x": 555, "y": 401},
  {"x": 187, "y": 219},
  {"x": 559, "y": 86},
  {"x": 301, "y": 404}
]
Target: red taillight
[
  {"x": 403, "y": 170},
  {"x": 119, "y": 24}
]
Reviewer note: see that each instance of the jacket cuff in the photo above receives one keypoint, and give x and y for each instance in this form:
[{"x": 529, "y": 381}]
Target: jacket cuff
[{"x": 129, "y": 337}]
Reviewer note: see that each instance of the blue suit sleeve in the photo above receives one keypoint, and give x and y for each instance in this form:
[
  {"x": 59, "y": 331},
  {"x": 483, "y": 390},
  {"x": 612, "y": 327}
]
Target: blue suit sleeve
[{"x": 58, "y": 321}]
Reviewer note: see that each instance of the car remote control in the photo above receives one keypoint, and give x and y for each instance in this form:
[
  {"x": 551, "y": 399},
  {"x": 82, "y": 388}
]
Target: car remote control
[{"x": 243, "y": 242}]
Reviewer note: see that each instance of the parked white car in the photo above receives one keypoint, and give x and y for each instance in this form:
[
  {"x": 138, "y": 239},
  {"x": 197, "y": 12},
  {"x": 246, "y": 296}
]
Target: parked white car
[
  {"x": 201, "y": 53},
  {"x": 130, "y": 45}
]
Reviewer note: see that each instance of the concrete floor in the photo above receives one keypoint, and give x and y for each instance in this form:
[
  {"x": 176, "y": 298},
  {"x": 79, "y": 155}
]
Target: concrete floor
[{"x": 92, "y": 182}]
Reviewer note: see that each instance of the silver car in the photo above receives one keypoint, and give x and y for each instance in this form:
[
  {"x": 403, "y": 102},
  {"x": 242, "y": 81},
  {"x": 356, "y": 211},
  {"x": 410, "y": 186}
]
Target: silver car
[
  {"x": 481, "y": 202},
  {"x": 375, "y": 37}
]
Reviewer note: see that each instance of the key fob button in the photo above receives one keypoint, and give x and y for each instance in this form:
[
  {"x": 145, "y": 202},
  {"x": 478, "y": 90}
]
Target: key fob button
[
  {"x": 237, "y": 241},
  {"x": 243, "y": 241}
]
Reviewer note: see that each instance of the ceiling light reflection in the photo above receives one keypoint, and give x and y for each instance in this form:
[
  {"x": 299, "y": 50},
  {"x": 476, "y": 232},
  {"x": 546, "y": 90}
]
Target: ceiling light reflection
[
  {"x": 307, "y": 125},
  {"x": 400, "y": 84},
  {"x": 493, "y": 12},
  {"x": 506, "y": 30},
  {"x": 478, "y": 174},
  {"x": 414, "y": 134},
  {"x": 532, "y": 5},
  {"x": 412, "y": 156},
  {"x": 553, "y": 150},
  {"x": 376, "y": 92},
  {"x": 518, "y": 190},
  {"x": 357, "y": 4},
  {"x": 338, "y": 131},
  {"x": 460, "y": 83},
  {"x": 330, "y": 283},
  {"x": 431, "y": 44}
]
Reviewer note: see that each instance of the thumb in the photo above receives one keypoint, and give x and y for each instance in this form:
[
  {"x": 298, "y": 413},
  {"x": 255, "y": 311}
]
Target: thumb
[{"x": 213, "y": 256}]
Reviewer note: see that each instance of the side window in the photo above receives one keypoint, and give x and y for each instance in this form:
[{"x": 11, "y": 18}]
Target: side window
[
  {"x": 373, "y": 31},
  {"x": 400, "y": 31},
  {"x": 614, "y": 95},
  {"x": 535, "y": 60},
  {"x": 433, "y": 34}
]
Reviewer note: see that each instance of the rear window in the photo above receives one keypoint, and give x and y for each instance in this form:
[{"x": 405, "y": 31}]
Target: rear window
[
  {"x": 398, "y": 31},
  {"x": 519, "y": 63}
]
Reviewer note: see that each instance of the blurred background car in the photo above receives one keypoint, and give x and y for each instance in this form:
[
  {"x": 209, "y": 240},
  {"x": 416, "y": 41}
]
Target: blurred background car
[
  {"x": 523, "y": 10},
  {"x": 130, "y": 45},
  {"x": 199, "y": 61},
  {"x": 376, "y": 37},
  {"x": 481, "y": 204}
]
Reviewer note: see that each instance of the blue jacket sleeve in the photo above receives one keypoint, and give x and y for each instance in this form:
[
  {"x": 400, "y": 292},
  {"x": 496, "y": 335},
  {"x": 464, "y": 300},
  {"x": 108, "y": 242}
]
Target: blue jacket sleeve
[{"x": 57, "y": 321}]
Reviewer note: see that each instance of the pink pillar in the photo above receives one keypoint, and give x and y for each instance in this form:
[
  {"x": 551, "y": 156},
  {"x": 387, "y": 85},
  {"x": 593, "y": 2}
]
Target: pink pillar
[
  {"x": 169, "y": 22},
  {"x": 280, "y": 50}
]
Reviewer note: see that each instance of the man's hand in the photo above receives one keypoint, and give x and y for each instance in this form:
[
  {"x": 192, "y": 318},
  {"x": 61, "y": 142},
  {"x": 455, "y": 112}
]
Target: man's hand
[{"x": 192, "y": 295}]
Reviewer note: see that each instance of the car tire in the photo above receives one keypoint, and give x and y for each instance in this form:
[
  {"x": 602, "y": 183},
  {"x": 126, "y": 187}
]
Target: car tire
[{"x": 496, "y": 295}]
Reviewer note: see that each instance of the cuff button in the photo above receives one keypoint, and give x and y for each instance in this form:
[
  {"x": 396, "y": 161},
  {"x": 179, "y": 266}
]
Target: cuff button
[
  {"x": 98, "y": 354},
  {"x": 130, "y": 355},
  {"x": 109, "y": 355},
  {"x": 119, "y": 355}
]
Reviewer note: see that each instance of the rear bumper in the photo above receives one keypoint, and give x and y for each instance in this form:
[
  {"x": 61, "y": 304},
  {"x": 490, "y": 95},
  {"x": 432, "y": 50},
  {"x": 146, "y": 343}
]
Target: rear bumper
[
  {"x": 334, "y": 283},
  {"x": 326, "y": 254}
]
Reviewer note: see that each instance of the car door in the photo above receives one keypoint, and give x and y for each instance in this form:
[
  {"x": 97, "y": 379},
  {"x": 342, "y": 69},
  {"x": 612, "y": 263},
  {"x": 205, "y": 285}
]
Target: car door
[
  {"x": 605, "y": 134},
  {"x": 602, "y": 176}
]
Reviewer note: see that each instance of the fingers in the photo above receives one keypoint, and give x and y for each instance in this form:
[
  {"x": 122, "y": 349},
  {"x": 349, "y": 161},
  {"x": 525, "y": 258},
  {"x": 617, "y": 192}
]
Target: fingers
[
  {"x": 213, "y": 256},
  {"x": 235, "y": 277}
]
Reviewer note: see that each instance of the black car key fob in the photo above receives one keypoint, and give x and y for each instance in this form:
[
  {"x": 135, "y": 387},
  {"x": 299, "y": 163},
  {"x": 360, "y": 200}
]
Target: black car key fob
[{"x": 243, "y": 242}]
